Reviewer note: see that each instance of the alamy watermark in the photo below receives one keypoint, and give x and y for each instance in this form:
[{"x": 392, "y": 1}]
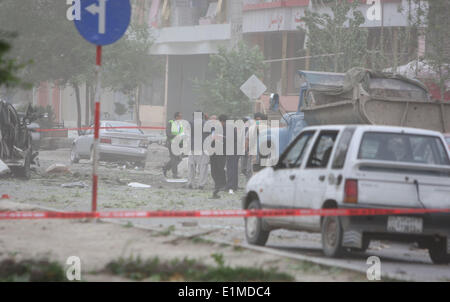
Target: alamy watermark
[
  {"x": 231, "y": 137},
  {"x": 374, "y": 270},
  {"x": 73, "y": 271},
  {"x": 374, "y": 12},
  {"x": 74, "y": 11}
]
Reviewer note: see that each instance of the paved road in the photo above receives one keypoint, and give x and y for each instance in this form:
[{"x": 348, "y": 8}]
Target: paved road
[{"x": 397, "y": 260}]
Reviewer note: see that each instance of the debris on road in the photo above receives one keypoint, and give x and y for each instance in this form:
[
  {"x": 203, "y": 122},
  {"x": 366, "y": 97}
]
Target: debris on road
[
  {"x": 189, "y": 223},
  {"x": 58, "y": 168},
  {"x": 182, "y": 181},
  {"x": 4, "y": 169},
  {"x": 78, "y": 184},
  {"x": 138, "y": 185}
]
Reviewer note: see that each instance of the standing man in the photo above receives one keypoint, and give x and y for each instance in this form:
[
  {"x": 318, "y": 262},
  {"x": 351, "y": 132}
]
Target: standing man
[
  {"x": 218, "y": 161},
  {"x": 232, "y": 162},
  {"x": 173, "y": 129},
  {"x": 246, "y": 163},
  {"x": 198, "y": 159}
]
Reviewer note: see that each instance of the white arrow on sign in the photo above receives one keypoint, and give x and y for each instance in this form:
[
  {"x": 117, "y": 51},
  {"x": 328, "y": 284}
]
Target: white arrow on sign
[
  {"x": 253, "y": 88},
  {"x": 99, "y": 9}
]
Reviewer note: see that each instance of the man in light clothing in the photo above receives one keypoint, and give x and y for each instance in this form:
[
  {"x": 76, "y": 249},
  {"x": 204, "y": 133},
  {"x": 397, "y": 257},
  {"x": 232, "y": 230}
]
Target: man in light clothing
[{"x": 198, "y": 161}]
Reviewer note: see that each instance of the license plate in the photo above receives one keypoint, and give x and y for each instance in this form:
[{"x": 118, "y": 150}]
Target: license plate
[
  {"x": 405, "y": 224},
  {"x": 124, "y": 142}
]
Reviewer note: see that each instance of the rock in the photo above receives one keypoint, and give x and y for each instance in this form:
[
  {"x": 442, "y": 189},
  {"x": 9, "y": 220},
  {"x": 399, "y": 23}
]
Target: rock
[
  {"x": 78, "y": 184},
  {"x": 189, "y": 223},
  {"x": 58, "y": 168},
  {"x": 138, "y": 185}
]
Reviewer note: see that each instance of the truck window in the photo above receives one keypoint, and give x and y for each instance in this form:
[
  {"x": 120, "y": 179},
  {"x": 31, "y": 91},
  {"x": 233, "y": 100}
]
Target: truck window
[
  {"x": 294, "y": 156},
  {"x": 342, "y": 148},
  {"x": 399, "y": 147},
  {"x": 320, "y": 155}
]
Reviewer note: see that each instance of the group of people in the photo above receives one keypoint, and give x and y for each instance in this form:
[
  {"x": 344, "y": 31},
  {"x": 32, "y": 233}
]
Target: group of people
[{"x": 224, "y": 167}]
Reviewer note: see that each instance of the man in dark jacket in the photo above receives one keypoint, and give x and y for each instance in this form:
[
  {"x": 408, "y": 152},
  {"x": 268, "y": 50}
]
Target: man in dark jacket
[{"x": 232, "y": 162}]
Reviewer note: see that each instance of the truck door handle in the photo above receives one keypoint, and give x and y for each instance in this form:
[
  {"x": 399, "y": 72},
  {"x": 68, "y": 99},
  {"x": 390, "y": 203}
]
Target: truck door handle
[
  {"x": 292, "y": 177},
  {"x": 322, "y": 177}
]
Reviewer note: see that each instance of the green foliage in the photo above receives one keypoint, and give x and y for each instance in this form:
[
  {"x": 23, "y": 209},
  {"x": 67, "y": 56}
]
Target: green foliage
[
  {"x": 218, "y": 258},
  {"x": 189, "y": 270},
  {"x": 8, "y": 67},
  {"x": 31, "y": 271},
  {"x": 120, "y": 109},
  {"x": 338, "y": 33},
  {"x": 59, "y": 54},
  {"x": 220, "y": 93},
  {"x": 128, "y": 63},
  {"x": 438, "y": 41}
]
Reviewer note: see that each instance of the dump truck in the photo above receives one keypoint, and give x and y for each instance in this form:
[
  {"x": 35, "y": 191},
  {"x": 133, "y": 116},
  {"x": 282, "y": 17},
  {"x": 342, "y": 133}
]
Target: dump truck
[{"x": 360, "y": 96}]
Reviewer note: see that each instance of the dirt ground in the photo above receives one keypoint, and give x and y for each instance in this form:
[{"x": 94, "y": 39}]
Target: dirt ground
[{"x": 97, "y": 243}]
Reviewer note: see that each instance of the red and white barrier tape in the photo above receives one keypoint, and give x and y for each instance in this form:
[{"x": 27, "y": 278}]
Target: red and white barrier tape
[
  {"x": 216, "y": 213},
  {"x": 101, "y": 128}
]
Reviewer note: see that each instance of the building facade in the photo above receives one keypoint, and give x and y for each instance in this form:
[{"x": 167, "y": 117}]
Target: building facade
[{"x": 278, "y": 28}]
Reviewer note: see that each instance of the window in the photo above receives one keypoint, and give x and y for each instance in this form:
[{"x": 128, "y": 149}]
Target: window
[
  {"x": 123, "y": 127},
  {"x": 293, "y": 157},
  {"x": 342, "y": 148},
  {"x": 399, "y": 147},
  {"x": 320, "y": 155}
]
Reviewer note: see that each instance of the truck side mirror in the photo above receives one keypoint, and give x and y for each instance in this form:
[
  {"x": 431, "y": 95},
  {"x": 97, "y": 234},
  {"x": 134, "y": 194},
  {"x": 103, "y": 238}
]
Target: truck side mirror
[{"x": 274, "y": 102}]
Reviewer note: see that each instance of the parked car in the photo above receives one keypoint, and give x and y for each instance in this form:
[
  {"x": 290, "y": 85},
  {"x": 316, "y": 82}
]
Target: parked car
[
  {"x": 447, "y": 139},
  {"x": 123, "y": 143},
  {"x": 358, "y": 166}
]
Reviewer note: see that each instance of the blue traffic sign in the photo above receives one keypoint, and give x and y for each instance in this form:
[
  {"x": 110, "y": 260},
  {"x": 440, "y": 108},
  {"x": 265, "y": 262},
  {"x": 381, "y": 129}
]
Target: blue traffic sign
[{"x": 103, "y": 22}]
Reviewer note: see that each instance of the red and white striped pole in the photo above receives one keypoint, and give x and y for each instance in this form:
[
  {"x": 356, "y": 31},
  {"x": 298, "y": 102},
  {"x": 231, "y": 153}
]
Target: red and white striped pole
[{"x": 96, "y": 130}]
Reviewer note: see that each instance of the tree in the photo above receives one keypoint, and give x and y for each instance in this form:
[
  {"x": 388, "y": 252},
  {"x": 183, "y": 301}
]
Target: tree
[
  {"x": 229, "y": 69},
  {"x": 438, "y": 42},
  {"x": 8, "y": 67},
  {"x": 129, "y": 65},
  {"x": 61, "y": 55},
  {"x": 120, "y": 109},
  {"x": 50, "y": 41},
  {"x": 338, "y": 34}
]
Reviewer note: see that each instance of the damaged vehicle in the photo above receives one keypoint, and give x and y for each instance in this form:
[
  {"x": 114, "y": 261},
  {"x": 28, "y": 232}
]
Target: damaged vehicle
[
  {"x": 16, "y": 149},
  {"x": 362, "y": 167},
  {"x": 119, "y": 142}
]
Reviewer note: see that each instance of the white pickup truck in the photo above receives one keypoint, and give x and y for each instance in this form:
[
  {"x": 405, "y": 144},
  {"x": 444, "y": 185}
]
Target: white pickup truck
[{"x": 358, "y": 166}]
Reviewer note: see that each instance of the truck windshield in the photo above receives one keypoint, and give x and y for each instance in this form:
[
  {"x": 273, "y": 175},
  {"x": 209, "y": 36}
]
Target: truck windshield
[{"x": 399, "y": 147}]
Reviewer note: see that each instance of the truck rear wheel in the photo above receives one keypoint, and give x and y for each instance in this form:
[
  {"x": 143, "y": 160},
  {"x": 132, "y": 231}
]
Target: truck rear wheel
[
  {"x": 332, "y": 234},
  {"x": 254, "y": 232}
]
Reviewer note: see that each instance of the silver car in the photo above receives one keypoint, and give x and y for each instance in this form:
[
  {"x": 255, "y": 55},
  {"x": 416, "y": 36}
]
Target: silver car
[{"x": 123, "y": 142}]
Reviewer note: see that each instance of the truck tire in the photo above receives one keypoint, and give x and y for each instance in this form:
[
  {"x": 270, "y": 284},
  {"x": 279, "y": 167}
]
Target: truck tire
[
  {"x": 254, "y": 232},
  {"x": 438, "y": 252},
  {"x": 332, "y": 234}
]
